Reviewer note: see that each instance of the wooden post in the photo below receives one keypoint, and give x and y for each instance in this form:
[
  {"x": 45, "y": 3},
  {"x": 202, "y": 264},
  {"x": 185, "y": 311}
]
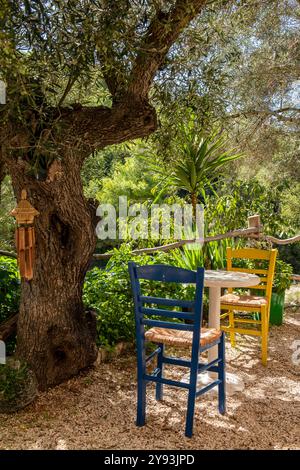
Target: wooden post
[{"x": 254, "y": 222}]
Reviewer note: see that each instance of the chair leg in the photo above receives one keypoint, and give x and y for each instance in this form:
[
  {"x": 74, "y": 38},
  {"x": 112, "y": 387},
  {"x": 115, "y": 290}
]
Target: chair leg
[
  {"x": 141, "y": 383},
  {"x": 141, "y": 403},
  {"x": 190, "y": 413},
  {"x": 159, "y": 387},
  {"x": 264, "y": 335},
  {"x": 192, "y": 396},
  {"x": 231, "y": 325},
  {"x": 221, "y": 375}
]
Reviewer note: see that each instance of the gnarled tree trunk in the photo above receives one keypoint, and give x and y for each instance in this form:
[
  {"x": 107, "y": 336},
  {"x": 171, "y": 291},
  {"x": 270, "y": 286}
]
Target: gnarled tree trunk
[{"x": 54, "y": 334}]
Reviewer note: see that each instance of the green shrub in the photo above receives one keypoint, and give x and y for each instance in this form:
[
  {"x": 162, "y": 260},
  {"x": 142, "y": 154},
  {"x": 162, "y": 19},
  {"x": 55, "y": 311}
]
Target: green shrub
[
  {"x": 12, "y": 376},
  {"x": 9, "y": 287},
  {"x": 290, "y": 253},
  {"x": 282, "y": 277},
  {"x": 18, "y": 386},
  {"x": 108, "y": 292},
  {"x": 7, "y": 223}
]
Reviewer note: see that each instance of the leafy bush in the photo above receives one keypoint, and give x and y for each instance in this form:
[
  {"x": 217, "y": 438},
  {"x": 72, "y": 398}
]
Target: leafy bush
[
  {"x": 291, "y": 254},
  {"x": 282, "y": 277},
  {"x": 237, "y": 200},
  {"x": 12, "y": 376},
  {"x": 9, "y": 287},
  {"x": 108, "y": 292},
  {"x": 18, "y": 386},
  {"x": 7, "y": 223}
]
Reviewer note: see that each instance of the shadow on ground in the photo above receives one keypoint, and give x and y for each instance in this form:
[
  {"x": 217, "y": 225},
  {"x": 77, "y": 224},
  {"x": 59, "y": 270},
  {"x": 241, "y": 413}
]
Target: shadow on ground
[{"x": 97, "y": 409}]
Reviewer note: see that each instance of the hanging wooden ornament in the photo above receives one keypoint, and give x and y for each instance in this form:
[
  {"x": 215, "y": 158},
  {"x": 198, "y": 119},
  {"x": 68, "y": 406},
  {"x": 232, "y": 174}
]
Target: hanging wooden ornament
[{"x": 24, "y": 236}]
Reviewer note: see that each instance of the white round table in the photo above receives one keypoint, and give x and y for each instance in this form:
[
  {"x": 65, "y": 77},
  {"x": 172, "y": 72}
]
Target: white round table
[{"x": 215, "y": 280}]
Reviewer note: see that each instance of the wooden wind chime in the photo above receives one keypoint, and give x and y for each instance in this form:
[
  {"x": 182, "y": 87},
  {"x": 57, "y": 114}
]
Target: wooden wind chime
[{"x": 24, "y": 236}]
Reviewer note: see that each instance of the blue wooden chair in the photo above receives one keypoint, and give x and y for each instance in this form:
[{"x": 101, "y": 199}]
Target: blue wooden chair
[{"x": 180, "y": 334}]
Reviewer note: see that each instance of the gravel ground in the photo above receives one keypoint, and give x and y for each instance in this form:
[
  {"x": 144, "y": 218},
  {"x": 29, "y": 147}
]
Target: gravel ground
[{"x": 97, "y": 409}]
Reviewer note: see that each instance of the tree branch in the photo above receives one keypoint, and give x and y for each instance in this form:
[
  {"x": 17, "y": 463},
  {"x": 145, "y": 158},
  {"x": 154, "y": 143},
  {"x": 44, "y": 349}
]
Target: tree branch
[
  {"x": 131, "y": 116},
  {"x": 113, "y": 71},
  {"x": 72, "y": 79},
  {"x": 8, "y": 254},
  {"x": 263, "y": 112},
  {"x": 95, "y": 128},
  {"x": 161, "y": 35},
  {"x": 9, "y": 327}
]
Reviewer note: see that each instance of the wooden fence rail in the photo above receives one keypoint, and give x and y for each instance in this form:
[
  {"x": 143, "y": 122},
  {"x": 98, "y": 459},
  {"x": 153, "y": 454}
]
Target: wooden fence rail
[
  {"x": 235, "y": 233},
  {"x": 286, "y": 241},
  {"x": 8, "y": 254},
  {"x": 254, "y": 230}
]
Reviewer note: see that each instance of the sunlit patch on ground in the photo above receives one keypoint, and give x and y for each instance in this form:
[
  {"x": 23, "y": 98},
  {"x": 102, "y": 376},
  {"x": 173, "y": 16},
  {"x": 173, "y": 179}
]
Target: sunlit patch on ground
[{"x": 97, "y": 409}]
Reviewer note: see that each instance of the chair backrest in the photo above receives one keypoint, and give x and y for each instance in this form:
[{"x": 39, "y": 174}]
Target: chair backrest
[
  {"x": 190, "y": 309},
  {"x": 266, "y": 274}
]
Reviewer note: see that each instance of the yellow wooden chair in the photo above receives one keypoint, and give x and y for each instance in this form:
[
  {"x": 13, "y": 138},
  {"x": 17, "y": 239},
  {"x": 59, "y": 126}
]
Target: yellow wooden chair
[{"x": 236, "y": 303}]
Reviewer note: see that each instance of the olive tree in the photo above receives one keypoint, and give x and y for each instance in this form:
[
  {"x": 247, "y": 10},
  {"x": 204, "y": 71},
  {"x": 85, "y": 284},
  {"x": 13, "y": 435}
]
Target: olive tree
[{"x": 78, "y": 76}]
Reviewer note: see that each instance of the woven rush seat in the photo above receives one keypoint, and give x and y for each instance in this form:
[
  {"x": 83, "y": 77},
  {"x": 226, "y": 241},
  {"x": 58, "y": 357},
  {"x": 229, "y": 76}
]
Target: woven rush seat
[
  {"x": 181, "y": 338},
  {"x": 243, "y": 300}
]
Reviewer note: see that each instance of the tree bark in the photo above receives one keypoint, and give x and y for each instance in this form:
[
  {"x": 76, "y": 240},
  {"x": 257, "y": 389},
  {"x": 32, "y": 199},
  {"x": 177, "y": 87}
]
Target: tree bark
[{"x": 55, "y": 336}]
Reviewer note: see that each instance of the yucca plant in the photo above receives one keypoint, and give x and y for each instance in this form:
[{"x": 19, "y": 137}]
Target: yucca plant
[
  {"x": 187, "y": 258},
  {"x": 211, "y": 255},
  {"x": 198, "y": 163}
]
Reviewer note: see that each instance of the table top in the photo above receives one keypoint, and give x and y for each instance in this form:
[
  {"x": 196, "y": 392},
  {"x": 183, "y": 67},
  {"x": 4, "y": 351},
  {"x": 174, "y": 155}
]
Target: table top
[{"x": 230, "y": 279}]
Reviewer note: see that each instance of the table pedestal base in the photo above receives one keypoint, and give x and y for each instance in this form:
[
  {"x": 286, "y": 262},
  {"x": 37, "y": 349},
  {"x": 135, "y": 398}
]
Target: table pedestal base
[{"x": 234, "y": 384}]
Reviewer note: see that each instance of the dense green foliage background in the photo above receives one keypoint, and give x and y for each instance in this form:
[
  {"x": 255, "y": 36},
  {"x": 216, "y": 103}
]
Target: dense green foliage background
[{"x": 234, "y": 71}]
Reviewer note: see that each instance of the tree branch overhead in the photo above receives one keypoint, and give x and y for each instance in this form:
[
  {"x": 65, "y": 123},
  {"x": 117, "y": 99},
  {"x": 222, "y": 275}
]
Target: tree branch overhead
[{"x": 161, "y": 35}]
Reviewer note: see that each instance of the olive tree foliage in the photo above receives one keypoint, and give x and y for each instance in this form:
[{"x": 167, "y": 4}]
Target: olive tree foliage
[{"x": 239, "y": 70}]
